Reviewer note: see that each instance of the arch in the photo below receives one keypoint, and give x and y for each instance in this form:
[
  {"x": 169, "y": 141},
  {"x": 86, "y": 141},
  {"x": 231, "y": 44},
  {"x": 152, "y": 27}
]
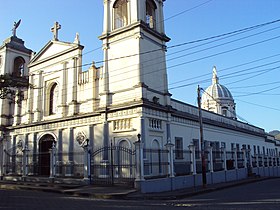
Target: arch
[
  {"x": 124, "y": 143},
  {"x": 155, "y": 144},
  {"x": 19, "y": 67},
  {"x": 156, "y": 159},
  {"x": 53, "y": 98},
  {"x": 45, "y": 144},
  {"x": 124, "y": 159},
  {"x": 120, "y": 8},
  {"x": 151, "y": 13},
  {"x": 47, "y": 133}
]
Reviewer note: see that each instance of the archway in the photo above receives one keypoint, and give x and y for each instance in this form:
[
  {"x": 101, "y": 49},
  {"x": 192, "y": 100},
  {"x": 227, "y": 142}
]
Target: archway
[{"x": 45, "y": 144}]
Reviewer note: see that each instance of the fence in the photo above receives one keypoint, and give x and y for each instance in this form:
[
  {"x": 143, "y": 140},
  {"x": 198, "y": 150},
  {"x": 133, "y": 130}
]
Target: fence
[
  {"x": 112, "y": 165},
  {"x": 121, "y": 165}
]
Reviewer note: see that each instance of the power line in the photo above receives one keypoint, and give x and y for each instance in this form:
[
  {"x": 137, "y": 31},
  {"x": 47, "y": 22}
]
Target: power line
[
  {"x": 152, "y": 64},
  {"x": 265, "y": 94},
  {"x": 245, "y": 71},
  {"x": 224, "y": 52},
  {"x": 251, "y": 77},
  {"x": 267, "y": 107},
  {"x": 222, "y": 44},
  {"x": 195, "y": 41},
  {"x": 171, "y": 17},
  {"x": 257, "y": 93},
  {"x": 226, "y": 69},
  {"x": 97, "y": 93},
  {"x": 226, "y": 34},
  {"x": 187, "y": 10},
  {"x": 260, "y": 25},
  {"x": 255, "y": 85}
]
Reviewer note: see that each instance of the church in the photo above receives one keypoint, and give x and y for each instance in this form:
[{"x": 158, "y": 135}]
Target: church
[{"x": 117, "y": 108}]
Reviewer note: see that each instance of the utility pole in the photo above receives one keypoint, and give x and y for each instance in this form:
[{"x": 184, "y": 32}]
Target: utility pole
[{"x": 204, "y": 179}]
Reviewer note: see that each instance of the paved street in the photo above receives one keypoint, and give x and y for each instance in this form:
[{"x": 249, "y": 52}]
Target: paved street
[{"x": 259, "y": 195}]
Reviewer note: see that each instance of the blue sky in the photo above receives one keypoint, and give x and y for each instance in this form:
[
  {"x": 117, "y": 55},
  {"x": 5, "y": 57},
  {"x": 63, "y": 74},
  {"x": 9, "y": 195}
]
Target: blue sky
[{"x": 247, "y": 63}]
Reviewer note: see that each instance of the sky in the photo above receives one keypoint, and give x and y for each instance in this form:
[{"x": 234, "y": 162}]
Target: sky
[{"x": 204, "y": 33}]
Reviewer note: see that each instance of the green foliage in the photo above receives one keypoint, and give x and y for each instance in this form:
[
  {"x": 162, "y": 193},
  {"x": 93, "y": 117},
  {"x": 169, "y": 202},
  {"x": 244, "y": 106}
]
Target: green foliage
[{"x": 12, "y": 86}]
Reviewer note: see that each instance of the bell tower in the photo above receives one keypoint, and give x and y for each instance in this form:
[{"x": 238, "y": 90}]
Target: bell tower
[
  {"x": 134, "y": 45},
  {"x": 14, "y": 58}
]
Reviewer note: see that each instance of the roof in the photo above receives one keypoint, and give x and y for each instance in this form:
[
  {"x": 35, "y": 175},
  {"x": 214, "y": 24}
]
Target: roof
[{"x": 16, "y": 43}]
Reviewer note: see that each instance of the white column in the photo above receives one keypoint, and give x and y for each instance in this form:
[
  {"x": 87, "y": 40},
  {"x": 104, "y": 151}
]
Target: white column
[
  {"x": 52, "y": 161},
  {"x": 30, "y": 99},
  {"x": 193, "y": 160},
  {"x": 75, "y": 81},
  {"x": 250, "y": 158},
  {"x": 72, "y": 110},
  {"x": 169, "y": 147},
  {"x": 139, "y": 161},
  {"x": 235, "y": 159},
  {"x": 17, "y": 110},
  {"x": 244, "y": 157},
  {"x": 160, "y": 21},
  {"x": 25, "y": 161},
  {"x": 211, "y": 166},
  {"x": 39, "y": 99},
  {"x": 224, "y": 158},
  {"x": 86, "y": 164},
  {"x": 107, "y": 19},
  {"x": 63, "y": 90},
  {"x": 1, "y": 156}
]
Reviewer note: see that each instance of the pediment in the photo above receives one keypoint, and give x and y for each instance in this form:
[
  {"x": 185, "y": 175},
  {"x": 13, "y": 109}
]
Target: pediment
[{"x": 53, "y": 49}]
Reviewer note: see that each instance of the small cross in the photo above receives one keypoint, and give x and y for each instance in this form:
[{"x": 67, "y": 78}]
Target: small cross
[{"x": 55, "y": 29}]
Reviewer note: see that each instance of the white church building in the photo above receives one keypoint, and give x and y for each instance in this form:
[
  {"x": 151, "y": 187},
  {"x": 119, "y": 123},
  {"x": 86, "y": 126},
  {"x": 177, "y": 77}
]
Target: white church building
[{"x": 119, "y": 122}]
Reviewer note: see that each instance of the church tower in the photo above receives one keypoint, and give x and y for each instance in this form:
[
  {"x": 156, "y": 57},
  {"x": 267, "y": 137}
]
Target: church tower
[
  {"x": 14, "y": 58},
  {"x": 134, "y": 44}
]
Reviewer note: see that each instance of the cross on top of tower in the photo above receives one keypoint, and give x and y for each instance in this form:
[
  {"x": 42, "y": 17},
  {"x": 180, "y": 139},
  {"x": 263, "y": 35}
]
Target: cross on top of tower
[{"x": 55, "y": 29}]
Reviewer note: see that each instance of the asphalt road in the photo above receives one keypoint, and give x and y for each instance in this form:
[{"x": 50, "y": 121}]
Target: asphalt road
[{"x": 262, "y": 195}]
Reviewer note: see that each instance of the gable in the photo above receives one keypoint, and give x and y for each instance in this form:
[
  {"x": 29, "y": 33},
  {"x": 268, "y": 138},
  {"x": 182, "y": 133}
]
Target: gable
[{"x": 53, "y": 49}]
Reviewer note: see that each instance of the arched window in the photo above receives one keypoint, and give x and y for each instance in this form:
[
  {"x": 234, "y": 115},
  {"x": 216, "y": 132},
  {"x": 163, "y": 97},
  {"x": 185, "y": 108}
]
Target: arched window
[
  {"x": 19, "y": 67},
  {"x": 151, "y": 14},
  {"x": 120, "y": 13},
  {"x": 53, "y": 99},
  {"x": 124, "y": 144}
]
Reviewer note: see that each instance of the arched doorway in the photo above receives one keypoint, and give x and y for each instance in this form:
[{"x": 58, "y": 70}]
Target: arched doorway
[
  {"x": 156, "y": 158},
  {"x": 45, "y": 144}
]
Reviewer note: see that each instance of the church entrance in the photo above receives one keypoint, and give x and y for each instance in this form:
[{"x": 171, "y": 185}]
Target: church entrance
[{"x": 45, "y": 144}]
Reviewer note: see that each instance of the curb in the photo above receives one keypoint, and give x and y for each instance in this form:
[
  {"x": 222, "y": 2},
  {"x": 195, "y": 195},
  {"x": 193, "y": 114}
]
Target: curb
[
  {"x": 172, "y": 195},
  {"x": 195, "y": 191}
]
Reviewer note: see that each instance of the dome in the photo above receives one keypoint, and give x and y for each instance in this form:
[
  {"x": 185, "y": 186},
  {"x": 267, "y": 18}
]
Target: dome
[
  {"x": 217, "y": 98},
  {"x": 218, "y": 91}
]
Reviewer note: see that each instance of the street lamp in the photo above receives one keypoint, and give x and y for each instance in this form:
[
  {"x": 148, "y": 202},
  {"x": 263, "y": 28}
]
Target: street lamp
[{"x": 139, "y": 137}]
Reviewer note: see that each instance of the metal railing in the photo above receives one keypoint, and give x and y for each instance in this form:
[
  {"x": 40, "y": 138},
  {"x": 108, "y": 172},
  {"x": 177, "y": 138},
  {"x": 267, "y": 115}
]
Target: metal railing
[{"x": 115, "y": 164}]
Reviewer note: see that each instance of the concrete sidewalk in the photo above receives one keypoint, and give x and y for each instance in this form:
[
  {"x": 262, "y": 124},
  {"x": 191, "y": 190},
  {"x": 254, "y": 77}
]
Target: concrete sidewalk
[{"x": 120, "y": 192}]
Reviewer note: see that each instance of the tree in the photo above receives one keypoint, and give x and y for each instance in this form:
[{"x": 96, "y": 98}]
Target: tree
[{"x": 11, "y": 86}]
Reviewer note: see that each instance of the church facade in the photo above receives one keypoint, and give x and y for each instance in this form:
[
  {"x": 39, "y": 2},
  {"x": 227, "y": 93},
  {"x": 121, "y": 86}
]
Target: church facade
[{"x": 113, "y": 106}]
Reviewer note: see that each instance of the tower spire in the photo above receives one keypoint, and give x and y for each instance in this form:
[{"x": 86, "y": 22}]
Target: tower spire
[{"x": 215, "y": 79}]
